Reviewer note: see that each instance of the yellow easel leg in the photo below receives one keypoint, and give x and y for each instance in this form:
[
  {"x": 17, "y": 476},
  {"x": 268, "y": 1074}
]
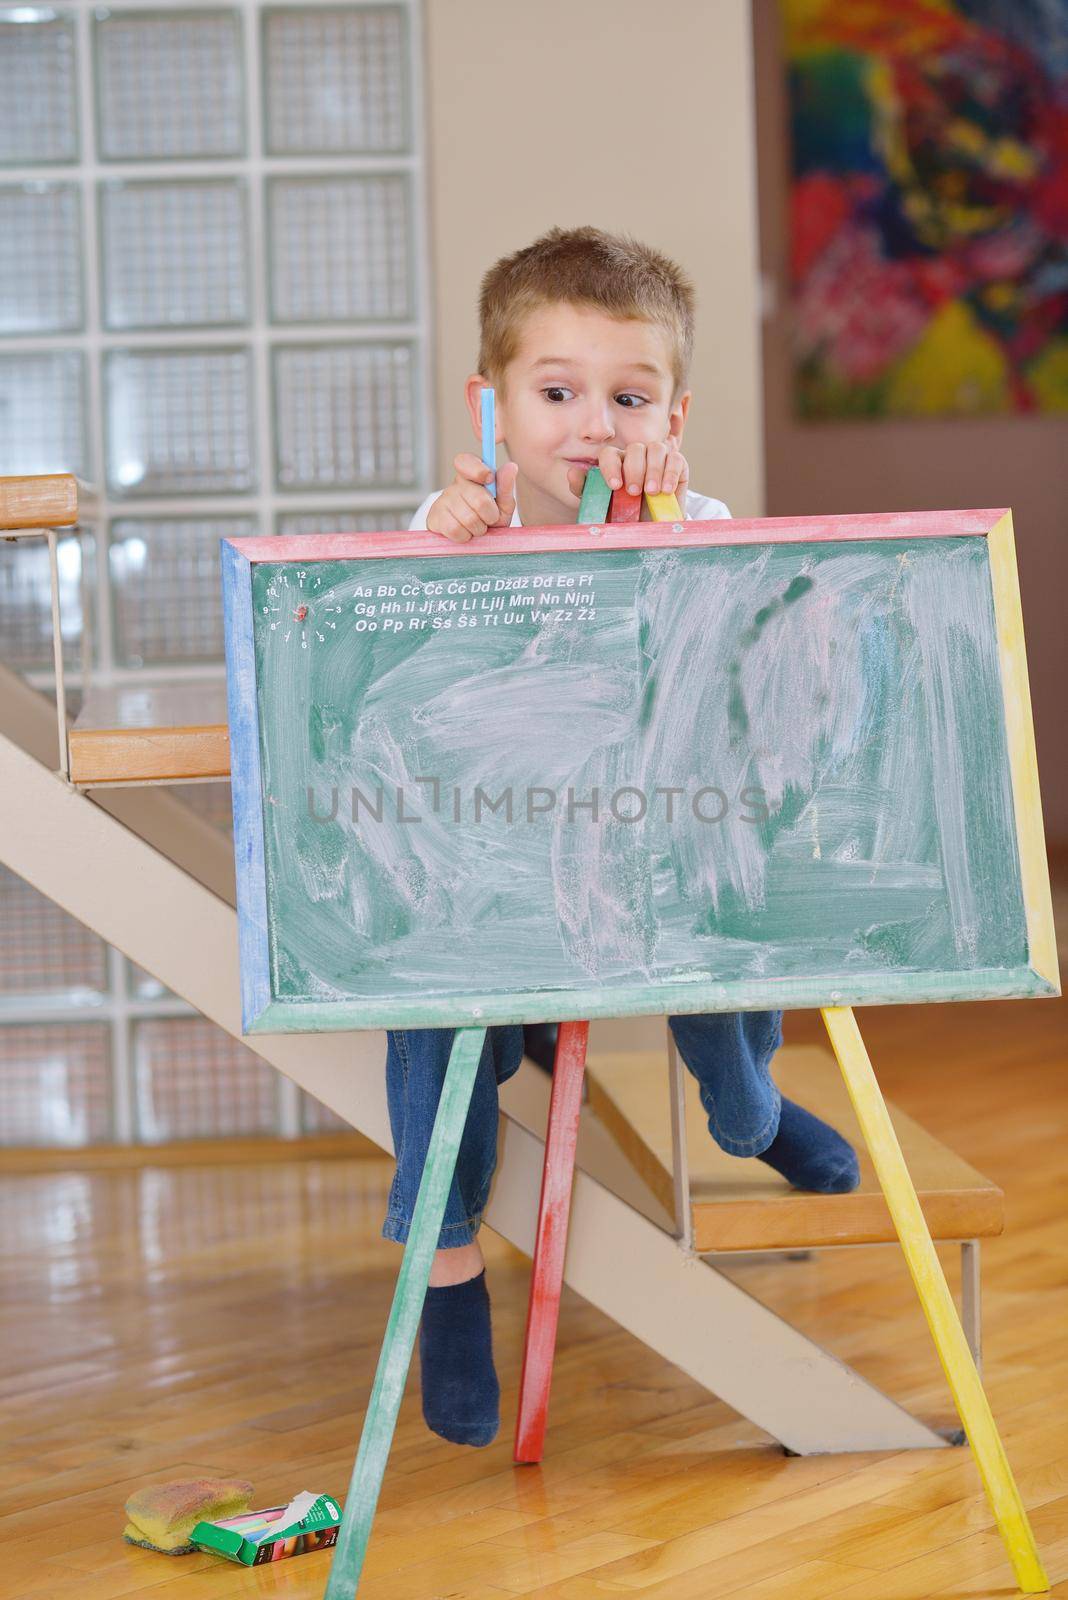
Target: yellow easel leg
[{"x": 935, "y": 1298}]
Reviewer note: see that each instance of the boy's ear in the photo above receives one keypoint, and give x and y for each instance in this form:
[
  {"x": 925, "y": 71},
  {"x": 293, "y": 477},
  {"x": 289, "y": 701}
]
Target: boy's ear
[
  {"x": 473, "y": 395},
  {"x": 679, "y": 412}
]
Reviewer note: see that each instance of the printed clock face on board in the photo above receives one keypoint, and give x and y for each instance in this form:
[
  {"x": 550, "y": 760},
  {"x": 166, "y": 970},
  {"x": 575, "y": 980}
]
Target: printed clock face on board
[{"x": 298, "y": 608}]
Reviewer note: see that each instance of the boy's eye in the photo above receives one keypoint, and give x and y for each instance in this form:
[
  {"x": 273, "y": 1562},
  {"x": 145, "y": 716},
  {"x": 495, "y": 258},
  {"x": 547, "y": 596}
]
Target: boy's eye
[{"x": 556, "y": 391}]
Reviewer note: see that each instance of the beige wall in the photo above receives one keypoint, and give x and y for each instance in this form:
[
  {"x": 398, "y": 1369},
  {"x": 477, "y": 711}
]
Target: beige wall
[
  {"x": 1017, "y": 461},
  {"x": 619, "y": 114}
]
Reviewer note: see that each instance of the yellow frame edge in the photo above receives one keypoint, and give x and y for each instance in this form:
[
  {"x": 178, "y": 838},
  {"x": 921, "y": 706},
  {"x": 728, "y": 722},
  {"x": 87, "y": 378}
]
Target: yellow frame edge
[{"x": 1023, "y": 758}]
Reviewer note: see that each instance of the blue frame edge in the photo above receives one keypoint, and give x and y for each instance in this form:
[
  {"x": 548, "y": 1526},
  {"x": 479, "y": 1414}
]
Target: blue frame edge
[{"x": 243, "y": 709}]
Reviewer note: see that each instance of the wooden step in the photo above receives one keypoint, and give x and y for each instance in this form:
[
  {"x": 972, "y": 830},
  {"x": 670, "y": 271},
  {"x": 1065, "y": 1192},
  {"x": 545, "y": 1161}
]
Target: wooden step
[
  {"x": 743, "y": 1204},
  {"x": 151, "y": 731}
]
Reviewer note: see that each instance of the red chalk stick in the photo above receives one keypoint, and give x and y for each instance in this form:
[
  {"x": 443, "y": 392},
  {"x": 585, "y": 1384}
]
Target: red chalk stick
[{"x": 625, "y": 507}]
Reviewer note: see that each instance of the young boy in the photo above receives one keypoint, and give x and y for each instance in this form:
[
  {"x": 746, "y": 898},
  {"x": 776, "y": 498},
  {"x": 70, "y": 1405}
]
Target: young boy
[{"x": 586, "y": 338}]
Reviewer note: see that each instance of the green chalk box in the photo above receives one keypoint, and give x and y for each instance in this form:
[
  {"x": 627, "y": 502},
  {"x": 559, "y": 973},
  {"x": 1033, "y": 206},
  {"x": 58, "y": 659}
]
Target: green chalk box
[{"x": 308, "y": 1523}]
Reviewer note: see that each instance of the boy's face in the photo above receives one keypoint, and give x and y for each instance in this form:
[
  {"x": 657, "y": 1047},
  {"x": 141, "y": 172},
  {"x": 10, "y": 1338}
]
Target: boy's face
[{"x": 579, "y": 381}]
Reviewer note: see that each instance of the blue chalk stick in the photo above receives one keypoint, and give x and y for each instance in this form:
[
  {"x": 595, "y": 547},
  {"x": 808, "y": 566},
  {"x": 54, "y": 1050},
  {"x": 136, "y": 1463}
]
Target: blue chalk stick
[{"x": 489, "y": 439}]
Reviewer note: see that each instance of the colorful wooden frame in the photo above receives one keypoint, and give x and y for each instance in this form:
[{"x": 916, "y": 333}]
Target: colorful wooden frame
[{"x": 263, "y": 1012}]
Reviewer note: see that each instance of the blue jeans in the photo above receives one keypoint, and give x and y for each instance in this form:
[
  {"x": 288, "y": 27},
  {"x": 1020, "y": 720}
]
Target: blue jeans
[{"x": 728, "y": 1052}]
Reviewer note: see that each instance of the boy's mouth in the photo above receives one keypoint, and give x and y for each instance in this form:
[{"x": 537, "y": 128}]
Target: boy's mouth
[{"x": 580, "y": 461}]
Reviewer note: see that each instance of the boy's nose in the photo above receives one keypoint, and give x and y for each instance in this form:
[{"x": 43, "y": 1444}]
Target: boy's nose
[{"x": 597, "y": 427}]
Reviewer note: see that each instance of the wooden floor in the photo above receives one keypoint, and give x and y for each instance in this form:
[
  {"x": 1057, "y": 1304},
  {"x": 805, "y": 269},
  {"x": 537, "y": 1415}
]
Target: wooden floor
[{"x": 172, "y": 1322}]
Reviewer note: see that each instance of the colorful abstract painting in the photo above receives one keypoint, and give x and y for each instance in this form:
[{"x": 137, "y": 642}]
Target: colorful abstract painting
[{"x": 929, "y": 206}]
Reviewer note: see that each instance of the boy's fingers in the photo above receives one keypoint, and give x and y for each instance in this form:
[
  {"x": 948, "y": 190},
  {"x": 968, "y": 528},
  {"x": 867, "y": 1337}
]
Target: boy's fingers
[
  {"x": 634, "y": 468},
  {"x": 458, "y": 514},
  {"x": 480, "y": 502},
  {"x": 451, "y": 529},
  {"x": 656, "y": 458},
  {"x": 506, "y": 478},
  {"x": 470, "y": 520},
  {"x": 472, "y": 467},
  {"x": 682, "y": 482},
  {"x": 610, "y": 462},
  {"x": 458, "y": 528},
  {"x": 674, "y": 475},
  {"x": 576, "y": 480}
]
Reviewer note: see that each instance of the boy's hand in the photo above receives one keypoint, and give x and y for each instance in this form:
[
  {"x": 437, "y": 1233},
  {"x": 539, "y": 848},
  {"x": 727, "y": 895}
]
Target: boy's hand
[
  {"x": 466, "y": 509},
  {"x": 643, "y": 468}
]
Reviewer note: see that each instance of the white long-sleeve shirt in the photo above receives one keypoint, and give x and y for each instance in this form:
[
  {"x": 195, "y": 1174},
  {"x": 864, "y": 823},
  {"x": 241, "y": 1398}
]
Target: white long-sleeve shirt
[{"x": 698, "y": 508}]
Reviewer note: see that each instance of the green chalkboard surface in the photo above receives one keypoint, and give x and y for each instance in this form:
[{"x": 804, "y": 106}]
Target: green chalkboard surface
[{"x": 602, "y": 781}]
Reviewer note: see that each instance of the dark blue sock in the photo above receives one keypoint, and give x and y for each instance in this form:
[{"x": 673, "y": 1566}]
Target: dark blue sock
[
  {"x": 810, "y": 1154},
  {"x": 461, "y": 1395}
]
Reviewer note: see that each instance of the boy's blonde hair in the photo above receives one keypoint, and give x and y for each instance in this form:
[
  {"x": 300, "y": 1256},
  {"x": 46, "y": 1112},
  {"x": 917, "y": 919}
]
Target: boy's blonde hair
[{"x": 584, "y": 267}]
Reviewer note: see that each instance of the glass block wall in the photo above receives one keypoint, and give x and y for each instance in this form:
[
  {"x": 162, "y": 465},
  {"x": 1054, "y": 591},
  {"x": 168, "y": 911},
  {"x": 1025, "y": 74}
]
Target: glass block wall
[{"x": 213, "y": 306}]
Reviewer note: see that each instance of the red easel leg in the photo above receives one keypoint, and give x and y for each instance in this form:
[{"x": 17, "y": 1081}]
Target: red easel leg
[{"x": 547, "y": 1277}]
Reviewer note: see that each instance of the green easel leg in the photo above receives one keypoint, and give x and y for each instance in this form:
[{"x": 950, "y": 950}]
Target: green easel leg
[{"x": 407, "y": 1308}]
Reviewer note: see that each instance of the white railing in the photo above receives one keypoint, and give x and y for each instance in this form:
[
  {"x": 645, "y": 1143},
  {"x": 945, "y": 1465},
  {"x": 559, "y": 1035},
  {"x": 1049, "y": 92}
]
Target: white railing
[{"x": 38, "y": 507}]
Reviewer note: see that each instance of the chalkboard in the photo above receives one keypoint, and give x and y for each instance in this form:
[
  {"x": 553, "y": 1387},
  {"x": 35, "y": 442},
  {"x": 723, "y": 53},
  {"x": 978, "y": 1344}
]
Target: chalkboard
[{"x": 652, "y": 768}]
